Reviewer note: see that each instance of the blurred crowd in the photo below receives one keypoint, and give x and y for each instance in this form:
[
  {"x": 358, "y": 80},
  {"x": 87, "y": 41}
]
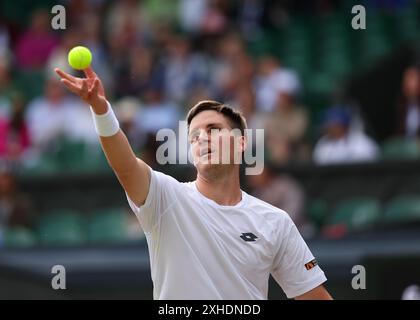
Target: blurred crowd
[{"x": 157, "y": 58}]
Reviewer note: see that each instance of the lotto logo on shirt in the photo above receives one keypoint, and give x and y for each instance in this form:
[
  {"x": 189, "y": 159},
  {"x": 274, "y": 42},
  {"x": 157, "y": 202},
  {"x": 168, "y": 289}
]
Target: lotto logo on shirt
[
  {"x": 248, "y": 237},
  {"x": 311, "y": 264}
]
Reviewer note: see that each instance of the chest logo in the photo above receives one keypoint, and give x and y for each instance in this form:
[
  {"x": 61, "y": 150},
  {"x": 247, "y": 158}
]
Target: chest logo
[{"x": 248, "y": 237}]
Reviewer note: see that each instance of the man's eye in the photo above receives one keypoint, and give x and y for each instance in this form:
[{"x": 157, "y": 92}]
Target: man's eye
[{"x": 193, "y": 138}]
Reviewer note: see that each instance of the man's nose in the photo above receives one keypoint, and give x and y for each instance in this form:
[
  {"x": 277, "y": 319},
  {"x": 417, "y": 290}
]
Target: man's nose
[{"x": 203, "y": 137}]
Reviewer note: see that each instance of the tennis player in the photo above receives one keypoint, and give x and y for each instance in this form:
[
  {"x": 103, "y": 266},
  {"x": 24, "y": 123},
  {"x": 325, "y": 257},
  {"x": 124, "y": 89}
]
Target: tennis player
[{"x": 207, "y": 239}]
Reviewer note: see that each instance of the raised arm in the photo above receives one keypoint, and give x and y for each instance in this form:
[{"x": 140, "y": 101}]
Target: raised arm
[{"x": 133, "y": 173}]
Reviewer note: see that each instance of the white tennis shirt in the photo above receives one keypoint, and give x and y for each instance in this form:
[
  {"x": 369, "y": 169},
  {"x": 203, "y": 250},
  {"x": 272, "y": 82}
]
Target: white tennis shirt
[{"x": 202, "y": 250}]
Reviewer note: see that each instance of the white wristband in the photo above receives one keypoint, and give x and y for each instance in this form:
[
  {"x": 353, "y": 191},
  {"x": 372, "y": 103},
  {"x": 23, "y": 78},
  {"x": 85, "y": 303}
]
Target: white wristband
[{"x": 106, "y": 125}]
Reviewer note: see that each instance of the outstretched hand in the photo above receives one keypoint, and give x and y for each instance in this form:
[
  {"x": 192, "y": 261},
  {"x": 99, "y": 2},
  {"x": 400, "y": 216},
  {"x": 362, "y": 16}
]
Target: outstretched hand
[{"x": 89, "y": 89}]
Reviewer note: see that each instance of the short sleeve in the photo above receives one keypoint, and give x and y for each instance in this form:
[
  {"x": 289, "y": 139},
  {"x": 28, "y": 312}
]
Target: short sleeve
[
  {"x": 160, "y": 197},
  {"x": 295, "y": 268}
]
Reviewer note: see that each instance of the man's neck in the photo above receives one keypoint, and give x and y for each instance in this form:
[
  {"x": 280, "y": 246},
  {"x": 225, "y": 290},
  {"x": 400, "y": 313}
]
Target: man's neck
[{"x": 224, "y": 191}]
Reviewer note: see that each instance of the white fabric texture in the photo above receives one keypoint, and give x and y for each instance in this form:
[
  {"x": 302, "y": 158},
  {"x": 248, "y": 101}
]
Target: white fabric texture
[{"x": 196, "y": 250}]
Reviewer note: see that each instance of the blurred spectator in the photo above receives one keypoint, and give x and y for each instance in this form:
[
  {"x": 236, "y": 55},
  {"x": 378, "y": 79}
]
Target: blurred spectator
[
  {"x": 148, "y": 153},
  {"x": 340, "y": 144},
  {"x": 14, "y": 134},
  {"x": 197, "y": 94},
  {"x": 118, "y": 57},
  {"x": 281, "y": 191},
  {"x": 250, "y": 16},
  {"x": 91, "y": 38},
  {"x": 55, "y": 115},
  {"x": 390, "y": 6},
  {"x": 161, "y": 35},
  {"x": 126, "y": 111},
  {"x": 244, "y": 100},
  {"x": 87, "y": 33},
  {"x": 245, "y": 69},
  {"x": 408, "y": 107},
  {"x": 15, "y": 206},
  {"x": 157, "y": 113},
  {"x": 191, "y": 14},
  {"x": 4, "y": 42},
  {"x": 273, "y": 80},
  {"x": 215, "y": 20},
  {"x": 285, "y": 129},
  {"x": 47, "y": 115},
  {"x": 169, "y": 55},
  {"x": 58, "y": 57},
  {"x": 160, "y": 10},
  {"x": 231, "y": 67},
  {"x": 126, "y": 20},
  {"x": 78, "y": 9},
  {"x": 37, "y": 43},
  {"x": 184, "y": 70},
  {"x": 130, "y": 64},
  {"x": 140, "y": 75},
  {"x": 237, "y": 74},
  {"x": 5, "y": 87}
]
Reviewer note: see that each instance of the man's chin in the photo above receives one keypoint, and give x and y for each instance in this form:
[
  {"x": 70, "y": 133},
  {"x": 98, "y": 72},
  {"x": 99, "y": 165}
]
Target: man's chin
[{"x": 207, "y": 165}]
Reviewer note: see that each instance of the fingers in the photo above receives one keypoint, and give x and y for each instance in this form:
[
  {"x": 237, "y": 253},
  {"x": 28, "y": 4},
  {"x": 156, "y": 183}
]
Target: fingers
[
  {"x": 89, "y": 73},
  {"x": 85, "y": 90},
  {"x": 80, "y": 86},
  {"x": 71, "y": 86},
  {"x": 94, "y": 90},
  {"x": 64, "y": 75}
]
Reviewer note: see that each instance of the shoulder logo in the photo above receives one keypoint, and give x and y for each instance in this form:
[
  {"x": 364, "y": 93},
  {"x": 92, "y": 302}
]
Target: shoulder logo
[
  {"x": 248, "y": 236},
  {"x": 311, "y": 264}
]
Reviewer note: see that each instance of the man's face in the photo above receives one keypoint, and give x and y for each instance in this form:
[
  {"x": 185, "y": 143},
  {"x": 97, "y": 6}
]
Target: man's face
[{"x": 213, "y": 141}]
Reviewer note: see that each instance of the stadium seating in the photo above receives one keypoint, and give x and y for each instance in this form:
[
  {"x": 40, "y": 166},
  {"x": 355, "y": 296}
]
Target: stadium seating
[
  {"x": 317, "y": 210},
  {"x": 108, "y": 226},
  {"x": 70, "y": 156},
  {"x": 400, "y": 148},
  {"x": 61, "y": 227},
  {"x": 31, "y": 82},
  {"x": 19, "y": 11},
  {"x": 356, "y": 213},
  {"x": 19, "y": 237},
  {"x": 403, "y": 208},
  {"x": 406, "y": 25},
  {"x": 69, "y": 227}
]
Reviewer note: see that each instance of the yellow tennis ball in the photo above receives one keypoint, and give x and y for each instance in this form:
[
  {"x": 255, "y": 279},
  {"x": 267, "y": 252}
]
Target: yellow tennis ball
[{"x": 80, "y": 58}]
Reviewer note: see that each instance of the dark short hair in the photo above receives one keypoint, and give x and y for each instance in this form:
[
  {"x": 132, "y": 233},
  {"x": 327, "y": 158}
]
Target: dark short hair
[{"x": 235, "y": 118}]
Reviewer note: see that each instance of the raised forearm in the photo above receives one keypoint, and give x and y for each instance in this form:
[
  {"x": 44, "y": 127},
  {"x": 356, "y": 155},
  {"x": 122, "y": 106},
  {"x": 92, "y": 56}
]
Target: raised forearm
[
  {"x": 119, "y": 153},
  {"x": 133, "y": 174}
]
